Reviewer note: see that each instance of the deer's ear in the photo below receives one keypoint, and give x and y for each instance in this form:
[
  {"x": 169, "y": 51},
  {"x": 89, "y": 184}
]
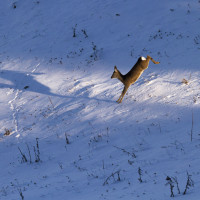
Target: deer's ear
[{"x": 115, "y": 69}]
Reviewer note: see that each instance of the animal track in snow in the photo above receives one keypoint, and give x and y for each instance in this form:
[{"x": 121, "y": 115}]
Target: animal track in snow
[{"x": 15, "y": 110}]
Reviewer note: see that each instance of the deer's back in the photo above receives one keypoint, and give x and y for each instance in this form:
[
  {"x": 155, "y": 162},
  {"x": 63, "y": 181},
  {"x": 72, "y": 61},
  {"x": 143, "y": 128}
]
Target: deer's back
[{"x": 134, "y": 73}]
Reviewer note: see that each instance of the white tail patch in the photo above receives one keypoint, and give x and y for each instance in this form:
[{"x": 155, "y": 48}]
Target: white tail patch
[{"x": 143, "y": 58}]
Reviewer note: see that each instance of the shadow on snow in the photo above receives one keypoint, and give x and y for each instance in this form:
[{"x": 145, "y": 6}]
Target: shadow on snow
[{"x": 25, "y": 82}]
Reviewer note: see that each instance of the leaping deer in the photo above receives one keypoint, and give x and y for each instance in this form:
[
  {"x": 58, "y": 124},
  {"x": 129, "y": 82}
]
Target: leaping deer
[{"x": 132, "y": 76}]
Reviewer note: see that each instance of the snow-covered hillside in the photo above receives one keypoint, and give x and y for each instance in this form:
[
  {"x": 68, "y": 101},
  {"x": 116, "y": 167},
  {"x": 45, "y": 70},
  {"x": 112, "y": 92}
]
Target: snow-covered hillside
[{"x": 62, "y": 134}]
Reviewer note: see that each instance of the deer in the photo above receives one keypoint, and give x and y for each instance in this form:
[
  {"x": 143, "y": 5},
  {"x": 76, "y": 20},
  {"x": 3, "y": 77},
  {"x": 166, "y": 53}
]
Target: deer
[{"x": 132, "y": 76}]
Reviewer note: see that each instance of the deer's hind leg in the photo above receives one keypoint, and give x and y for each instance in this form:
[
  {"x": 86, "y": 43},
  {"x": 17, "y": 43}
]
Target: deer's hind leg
[{"x": 123, "y": 93}]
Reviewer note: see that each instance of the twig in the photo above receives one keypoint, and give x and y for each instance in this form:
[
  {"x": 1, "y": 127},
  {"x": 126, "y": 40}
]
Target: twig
[
  {"x": 74, "y": 31},
  {"x": 24, "y": 159},
  {"x": 103, "y": 164},
  {"x": 191, "y": 135},
  {"x": 159, "y": 127},
  {"x": 170, "y": 182},
  {"x": 29, "y": 152},
  {"x": 20, "y": 193},
  {"x": 113, "y": 176},
  {"x": 37, "y": 151},
  {"x": 84, "y": 32},
  {"x": 176, "y": 181},
  {"x": 140, "y": 175},
  {"x": 131, "y": 154},
  {"x": 51, "y": 102},
  {"x": 66, "y": 139},
  {"x": 189, "y": 183}
]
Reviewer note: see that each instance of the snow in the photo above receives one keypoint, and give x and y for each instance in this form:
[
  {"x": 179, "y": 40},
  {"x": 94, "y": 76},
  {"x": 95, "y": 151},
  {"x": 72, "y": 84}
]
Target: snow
[{"x": 56, "y": 59}]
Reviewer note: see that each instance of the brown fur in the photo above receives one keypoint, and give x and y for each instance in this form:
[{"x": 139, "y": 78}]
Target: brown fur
[{"x": 132, "y": 76}]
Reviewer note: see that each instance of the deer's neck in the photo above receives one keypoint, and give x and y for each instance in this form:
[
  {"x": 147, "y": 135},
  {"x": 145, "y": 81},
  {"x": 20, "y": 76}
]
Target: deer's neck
[{"x": 121, "y": 77}]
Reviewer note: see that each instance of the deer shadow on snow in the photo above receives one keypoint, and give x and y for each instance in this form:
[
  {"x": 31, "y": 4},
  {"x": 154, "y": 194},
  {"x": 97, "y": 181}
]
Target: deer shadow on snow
[{"x": 24, "y": 81}]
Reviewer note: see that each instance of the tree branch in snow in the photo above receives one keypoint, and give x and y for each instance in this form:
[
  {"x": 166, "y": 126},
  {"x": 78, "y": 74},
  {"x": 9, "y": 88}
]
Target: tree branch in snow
[{"x": 113, "y": 176}]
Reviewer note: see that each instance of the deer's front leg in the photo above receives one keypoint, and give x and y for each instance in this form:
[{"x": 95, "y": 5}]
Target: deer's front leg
[{"x": 123, "y": 93}]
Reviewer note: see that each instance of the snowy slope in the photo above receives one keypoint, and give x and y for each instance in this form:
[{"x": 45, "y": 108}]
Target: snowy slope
[{"x": 58, "y": 103}]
